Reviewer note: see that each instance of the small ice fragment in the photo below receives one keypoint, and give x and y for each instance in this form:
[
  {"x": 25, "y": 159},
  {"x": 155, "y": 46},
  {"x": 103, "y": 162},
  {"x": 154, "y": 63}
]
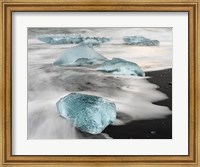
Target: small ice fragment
[{"x": 153, "y": 132}]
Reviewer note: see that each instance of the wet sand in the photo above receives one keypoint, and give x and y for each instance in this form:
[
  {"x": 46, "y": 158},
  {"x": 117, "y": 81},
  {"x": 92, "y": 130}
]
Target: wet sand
[{"x": 149, "y": 129}]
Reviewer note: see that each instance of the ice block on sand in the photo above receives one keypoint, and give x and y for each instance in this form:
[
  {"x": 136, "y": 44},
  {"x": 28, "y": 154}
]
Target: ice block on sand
[{"x": 88, "y": 113}]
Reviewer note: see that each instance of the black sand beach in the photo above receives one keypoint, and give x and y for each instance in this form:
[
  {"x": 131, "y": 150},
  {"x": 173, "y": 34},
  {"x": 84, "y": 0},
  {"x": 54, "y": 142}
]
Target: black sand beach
[{"x": 149, "y": 129}]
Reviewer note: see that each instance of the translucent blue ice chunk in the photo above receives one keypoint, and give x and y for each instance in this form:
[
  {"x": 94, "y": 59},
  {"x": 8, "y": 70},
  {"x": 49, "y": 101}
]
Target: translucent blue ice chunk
[
  {"x": 121, "y": 67},
  {"x": 79, "y": 55},
  {"x": 140, "y": 41},
  {"x": 61, "y": 39},
  {"x": 94, "y": 41},
  {"x": 56, "y": 39},
  {"x": 90, "y": 42},
  {"x": 83, "y": 61},
  {"x": 88, "y": 113}
]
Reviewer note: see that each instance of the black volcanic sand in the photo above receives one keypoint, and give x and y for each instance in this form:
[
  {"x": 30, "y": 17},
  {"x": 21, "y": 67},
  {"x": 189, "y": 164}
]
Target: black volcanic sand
[{"x": 149, "y": 129}]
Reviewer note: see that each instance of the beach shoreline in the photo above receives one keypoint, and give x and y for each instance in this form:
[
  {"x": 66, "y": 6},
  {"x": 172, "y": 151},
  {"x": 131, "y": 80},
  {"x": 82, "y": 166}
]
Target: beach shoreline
[{"x": 154, "y": 128}]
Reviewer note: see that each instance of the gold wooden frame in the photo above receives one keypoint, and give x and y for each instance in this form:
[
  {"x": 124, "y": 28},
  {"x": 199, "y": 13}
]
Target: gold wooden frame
[{"x": 9, "y": 6}]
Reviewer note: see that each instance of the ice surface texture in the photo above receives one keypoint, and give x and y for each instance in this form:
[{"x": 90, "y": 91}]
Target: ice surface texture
[
  {"x": 61, "y": 39},
  {"x": 140, "y": 41},
  {"x": 88, "y": 113},
  {"x": 94, "y": 41},
  {"x": 120, "y": 66},
  {"x": 73, "y": 39},
  {"x": 79, "y": 56}
]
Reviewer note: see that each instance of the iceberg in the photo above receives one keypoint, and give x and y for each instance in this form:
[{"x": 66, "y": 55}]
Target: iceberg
[
  {"x": 61, "y": 39},
  {"x": 121, "y": 67},
  {"x": 88, "y": 113},
  {"x": 79, "y": 56},
  {"x": 56, "y": 39},
  {"x": 83, "y": 61},
  {"x": 90, "y": 43},
  {"x": 140, "y": 41},
  {"x": 94, "y": 41}
]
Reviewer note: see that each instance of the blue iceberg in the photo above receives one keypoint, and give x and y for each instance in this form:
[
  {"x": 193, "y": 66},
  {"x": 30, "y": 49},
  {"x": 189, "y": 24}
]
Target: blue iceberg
[
  {"x": 140, "y": 41},
  {"x": 94, "y": 41},
  {"x": 121, "y": 67},
  {"x": 88, "y": 113},
  {"x": 73, "y": 39},
  {"x": 83, "y": 61},
  {"x": 61, "y": 39},
  {"x": 79, "y": 56}
]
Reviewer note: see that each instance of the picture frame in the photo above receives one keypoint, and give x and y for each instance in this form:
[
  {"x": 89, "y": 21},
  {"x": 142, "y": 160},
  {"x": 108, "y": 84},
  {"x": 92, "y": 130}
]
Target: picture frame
[{"x": 9, "y": 6}]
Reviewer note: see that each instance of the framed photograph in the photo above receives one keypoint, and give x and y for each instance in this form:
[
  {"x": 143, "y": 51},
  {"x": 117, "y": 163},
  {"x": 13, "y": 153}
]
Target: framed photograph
[{"x": 107, "y": 83}]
